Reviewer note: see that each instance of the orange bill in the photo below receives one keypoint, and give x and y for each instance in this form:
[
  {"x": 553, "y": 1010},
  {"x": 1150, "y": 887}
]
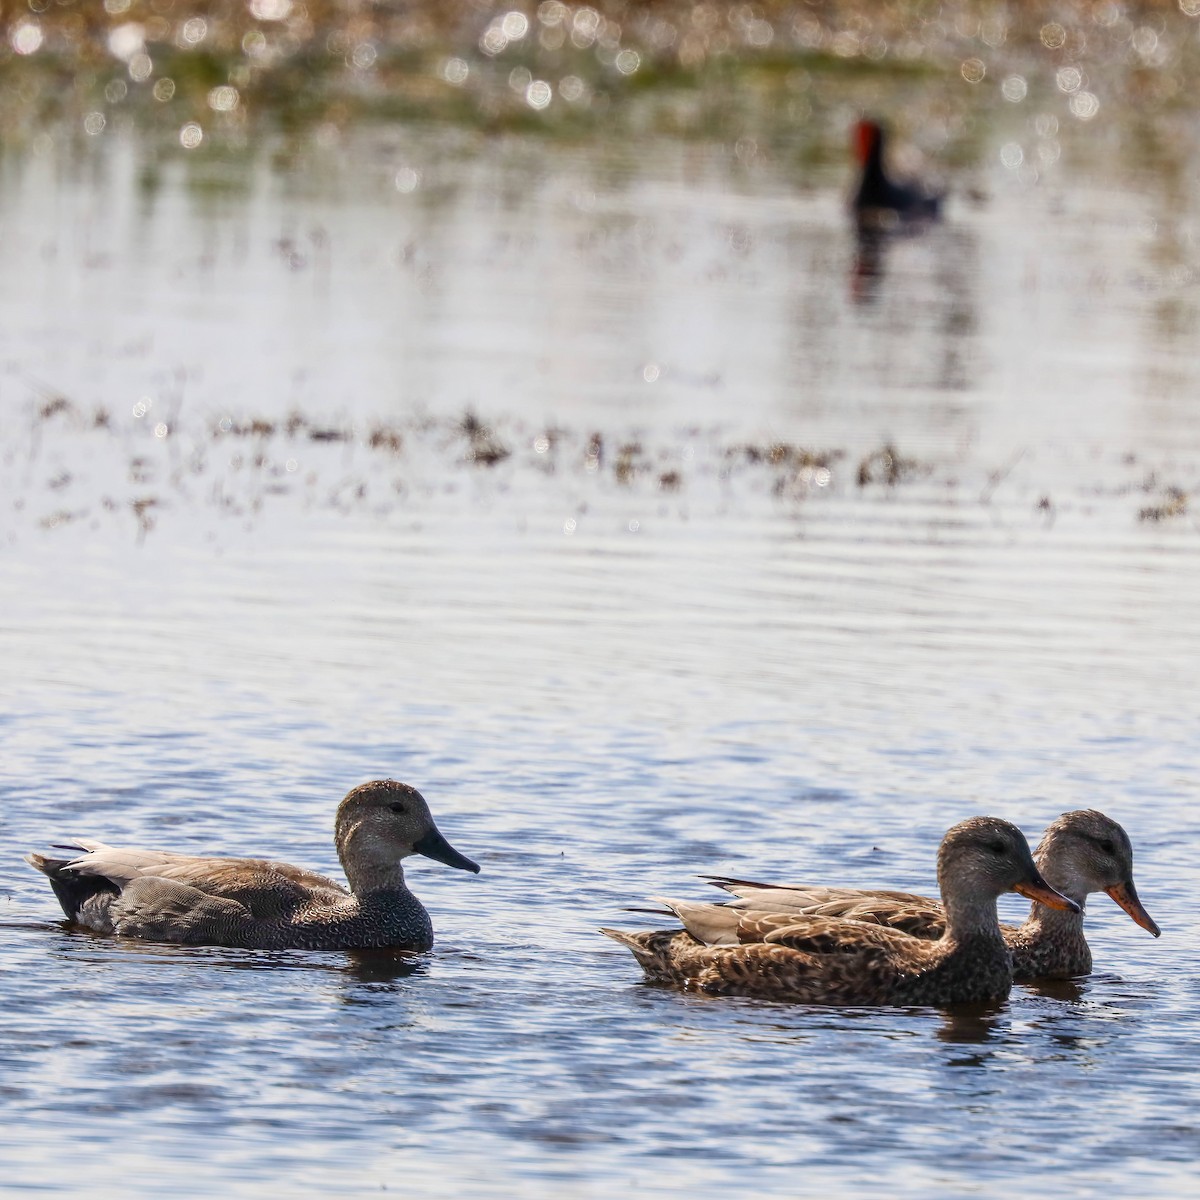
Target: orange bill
[
  {"x": 1038, "y": 889},
  {"x": 1125, "y": 894}
]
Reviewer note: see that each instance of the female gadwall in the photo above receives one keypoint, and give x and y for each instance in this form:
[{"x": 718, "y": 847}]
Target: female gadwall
[
  {"x": 822, "y": 960},
  {"x": 260, "y": 904},
  {"x": 1080, "y": 853}
]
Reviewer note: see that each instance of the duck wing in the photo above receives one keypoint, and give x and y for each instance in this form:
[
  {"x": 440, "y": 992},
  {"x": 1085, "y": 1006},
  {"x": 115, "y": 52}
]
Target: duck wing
[
  {"x": 165, "y": 910},
  {"x": 725, "y": 925},
  {"x": 264, "y": 889},
  {"x": 914, "y": 917},
  {"x": 918, "y": 916},
  {"x": 823, "y": 937}
]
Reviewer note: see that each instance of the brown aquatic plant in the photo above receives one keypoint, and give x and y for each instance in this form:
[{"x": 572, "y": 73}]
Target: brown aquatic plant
[
  {"x": 888, "y": 466},
  {"x": 1174, "y": 504}
]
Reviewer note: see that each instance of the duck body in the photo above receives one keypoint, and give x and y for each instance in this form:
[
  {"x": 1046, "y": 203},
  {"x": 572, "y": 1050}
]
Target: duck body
[
  {"x": 261, "y": 904},
  {"x": 816, "y": 959},
  {"x": 1080, "y": 853}
]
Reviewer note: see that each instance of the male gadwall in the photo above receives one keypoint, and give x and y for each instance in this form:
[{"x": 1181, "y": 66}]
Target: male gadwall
[
  {"x": 260, "y": 904},
  {"x": 1080, "y": 853},
  {"x": 823, "y": 960}
]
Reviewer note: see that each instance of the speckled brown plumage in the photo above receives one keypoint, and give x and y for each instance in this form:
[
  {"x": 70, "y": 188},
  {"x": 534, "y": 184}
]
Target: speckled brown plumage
[
  {"x": 261, "y": 904},
  {"x": 1080, "y": 853},
  {"x": 828, "y": 960}
]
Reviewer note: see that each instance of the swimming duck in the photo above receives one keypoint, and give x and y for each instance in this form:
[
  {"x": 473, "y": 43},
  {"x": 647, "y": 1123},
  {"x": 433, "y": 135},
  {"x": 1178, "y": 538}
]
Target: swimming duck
[
  {"x": 821, "y": 960},
  {"x": 880, "y": 203},
  {"x": 1080, "y": 853},
  {"x": 260, "y": 904}
]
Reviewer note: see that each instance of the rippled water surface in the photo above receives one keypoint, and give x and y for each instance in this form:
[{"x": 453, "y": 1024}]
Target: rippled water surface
[{"x": 613, "y": 502}]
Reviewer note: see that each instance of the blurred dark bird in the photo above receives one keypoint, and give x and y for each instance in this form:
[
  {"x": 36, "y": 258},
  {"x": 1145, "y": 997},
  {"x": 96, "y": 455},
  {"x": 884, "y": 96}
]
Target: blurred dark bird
[{"x": 881, "y": 204}]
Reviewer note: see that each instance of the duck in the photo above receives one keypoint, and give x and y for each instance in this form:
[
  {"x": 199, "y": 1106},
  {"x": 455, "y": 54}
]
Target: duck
[
  {"x": 723, "y": 950},
  {"x": 261, "y": 904},
  {"x": 1080, "y": 852},
  {"x": 880, "y": 204}
]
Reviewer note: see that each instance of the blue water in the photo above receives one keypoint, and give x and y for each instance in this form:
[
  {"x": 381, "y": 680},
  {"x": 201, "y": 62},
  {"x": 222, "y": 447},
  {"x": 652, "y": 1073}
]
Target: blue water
[{"x": 604, "y": 679}]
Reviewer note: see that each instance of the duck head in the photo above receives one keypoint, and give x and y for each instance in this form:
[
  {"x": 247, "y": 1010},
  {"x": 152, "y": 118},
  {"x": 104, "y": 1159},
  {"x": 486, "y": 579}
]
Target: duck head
[
  {"x": 984, "y": 857},
  {"x": 868, "y": 142},
  {"x": 1085, "y": 851},
  {"x": 381, "y": 822}
]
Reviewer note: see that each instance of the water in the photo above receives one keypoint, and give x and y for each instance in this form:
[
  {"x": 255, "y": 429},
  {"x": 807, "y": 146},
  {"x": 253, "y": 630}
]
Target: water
[{"x": 639, "y": 646}]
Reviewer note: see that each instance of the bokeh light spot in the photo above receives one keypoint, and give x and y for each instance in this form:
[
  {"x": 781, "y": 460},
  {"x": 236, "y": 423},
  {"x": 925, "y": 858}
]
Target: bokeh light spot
[
  {"x": 1014, "y": 88},
  {"x": 514, "y": 25},
  {"x": 191, "y": 135},
  {"x": 973, "y": 70},
  {"x": 494, "y": 41},
  {"x": 407, "y": 180},
  {"x": 271, "y": 10},
  {"x": 572, "y": 89},
  {"x": 193, "y": 31},
  {"x": 628, "y": 61},
  {"x": 1069, "y": 79},
  {"x": 1053, "y": 35},
  {"x": 538, "y": 94},
  {"x": 124, "y": 41},
  {"x": 455, "y": 71},
  {"x": 26, "y": 37},
  {"x": 223, "y": 99}
]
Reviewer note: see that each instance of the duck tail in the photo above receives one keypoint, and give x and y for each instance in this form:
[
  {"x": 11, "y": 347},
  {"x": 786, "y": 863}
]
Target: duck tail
[
  {"x": 82, "y": 897},
  {"x": 632, "y": 940},
  {"x": 729, "y": 884},
  {"x": 653, "y": 950}
]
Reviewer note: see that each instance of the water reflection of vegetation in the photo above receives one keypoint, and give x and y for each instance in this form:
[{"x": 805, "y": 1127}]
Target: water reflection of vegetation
[
  {"x": 379, "y": 466},
  {"x": 205, "y": 71}
]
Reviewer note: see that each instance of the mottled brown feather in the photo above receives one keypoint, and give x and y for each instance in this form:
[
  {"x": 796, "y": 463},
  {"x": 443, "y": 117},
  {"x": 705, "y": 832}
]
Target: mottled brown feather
[
  {"x": 832, "y": 960},
  {"x": 1072, "y": 857}
]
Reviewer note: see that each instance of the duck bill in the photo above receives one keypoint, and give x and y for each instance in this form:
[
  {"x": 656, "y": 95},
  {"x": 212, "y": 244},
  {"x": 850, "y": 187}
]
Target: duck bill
[
  {"x": 434, "y": 846},
  {"x": 1038, "y": 889},
  {"x": 1125, "y": 894}
]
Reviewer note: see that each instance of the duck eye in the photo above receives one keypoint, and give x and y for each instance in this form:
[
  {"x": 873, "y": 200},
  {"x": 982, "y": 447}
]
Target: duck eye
[
  {"x": 997, "y": 847},
  {"x": 1108, "y": 847},
  {"x": 397, "y": 808}
]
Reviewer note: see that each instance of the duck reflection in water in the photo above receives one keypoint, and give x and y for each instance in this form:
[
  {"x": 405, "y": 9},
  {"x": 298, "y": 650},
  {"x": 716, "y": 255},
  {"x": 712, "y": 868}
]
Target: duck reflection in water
[
  {"x": 882, "y": 208},
  {"x": 383, "y": 966},
  {"x": 970, "y": 1024}
]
